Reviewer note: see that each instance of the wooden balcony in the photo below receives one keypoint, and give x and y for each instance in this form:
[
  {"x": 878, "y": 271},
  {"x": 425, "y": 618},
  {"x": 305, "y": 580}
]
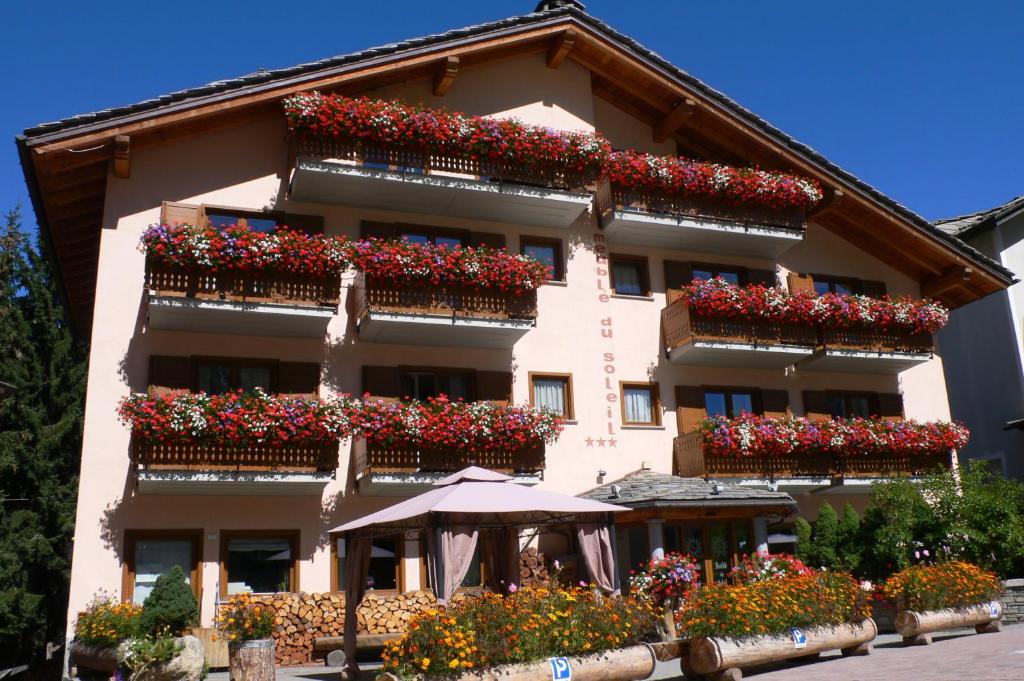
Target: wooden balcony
[
  {"x": 415, "y": 182},
  {"x": 203, "y": 469},
  {"x": 695, "y": 340},
  {"x": 696, "y": 224},
  {"x": 384, "y": 470},
  {"x": 864, "y": 350},
  {"x": 445, "y": 316},
  {"x": 281, "y": 304},
  {"x": 692, "y": 461}
]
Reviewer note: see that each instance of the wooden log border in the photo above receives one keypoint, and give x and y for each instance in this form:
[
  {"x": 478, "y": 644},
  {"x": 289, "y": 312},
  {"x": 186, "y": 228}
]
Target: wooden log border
[{"x": 916, "y": 628}]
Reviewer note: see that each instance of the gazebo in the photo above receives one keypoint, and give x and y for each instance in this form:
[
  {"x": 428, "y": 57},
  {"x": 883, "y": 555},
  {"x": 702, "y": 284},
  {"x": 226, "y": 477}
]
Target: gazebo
[{"x": 474, "y": 505}]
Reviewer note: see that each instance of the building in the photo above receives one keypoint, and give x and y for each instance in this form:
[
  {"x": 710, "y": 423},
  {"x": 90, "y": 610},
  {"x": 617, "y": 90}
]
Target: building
[
  {"x": 609, "y": 340},
  {"x": 986, "y": 388}
]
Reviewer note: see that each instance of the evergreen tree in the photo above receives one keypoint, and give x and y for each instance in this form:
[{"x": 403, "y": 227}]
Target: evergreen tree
[
  {"x": 826, "y": 537},
  {"x": 849, "y": 546},
  {"x": 171, "y": 606},
  {"x": 40, "y": 445},
  {"x": 804, "y": 547}
]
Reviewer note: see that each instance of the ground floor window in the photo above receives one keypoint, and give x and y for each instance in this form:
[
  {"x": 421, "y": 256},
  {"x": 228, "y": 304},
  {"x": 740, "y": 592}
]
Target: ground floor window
[
  {"x": 385, "y": 572},
  {"x": 717, "y": 546},
  {"x": 259, "y": 562},
  {"x": 149, "y": 554}
]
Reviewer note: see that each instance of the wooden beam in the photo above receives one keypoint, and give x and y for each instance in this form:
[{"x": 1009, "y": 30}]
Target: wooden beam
[
  {"x": 948, "y": 280},
  {"x": 833, "y": 199},
  {"x": 122, "y": 159},
  {"x": 561, "y": 47},
  {"x": 445, "y": 76},
  {"x": 674, "y": 120}
]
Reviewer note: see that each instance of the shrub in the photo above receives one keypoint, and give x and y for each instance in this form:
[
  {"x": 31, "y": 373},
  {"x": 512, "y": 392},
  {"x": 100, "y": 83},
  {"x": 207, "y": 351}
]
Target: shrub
[
  {"x": 759, "y": 568},
  {"x": 673, "y": 578},
  {"x": 530, "y": 624},
  {"x": 106, "y": 623},
  {"x": 240, "y": 619},
  {"x": 771, "y": 606},
  {"x": 953, "y": 584},
  {"x": 170, "y": 607}
]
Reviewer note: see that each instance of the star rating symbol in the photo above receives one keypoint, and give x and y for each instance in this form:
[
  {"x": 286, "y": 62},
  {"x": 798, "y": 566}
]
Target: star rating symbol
[
  {"x": 601, "y": 441},
  {"x": 589, "y": 441},
  {"x": 611, "y": 442}
]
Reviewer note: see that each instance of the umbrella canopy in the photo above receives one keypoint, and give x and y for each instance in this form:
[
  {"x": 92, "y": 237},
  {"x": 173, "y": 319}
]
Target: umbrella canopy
[{"x": 479, "y": 497}]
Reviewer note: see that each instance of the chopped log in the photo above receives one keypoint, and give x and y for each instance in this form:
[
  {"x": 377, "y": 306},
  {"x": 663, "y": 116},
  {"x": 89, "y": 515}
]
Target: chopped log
[
  {"x": 912, "y": 626},
  {"x": 363, "y": 641},
  {"x": 252, "y": 660},
  {"x": 665, "y": 651},
  {"x": 714, "y": 655}
]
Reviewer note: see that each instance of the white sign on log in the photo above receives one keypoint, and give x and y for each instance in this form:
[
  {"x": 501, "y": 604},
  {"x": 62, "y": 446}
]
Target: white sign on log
[
  {"x": 799, "y": 638},
  {"x": 560, "y": 669},
  {"x": 993, "y": 608}
]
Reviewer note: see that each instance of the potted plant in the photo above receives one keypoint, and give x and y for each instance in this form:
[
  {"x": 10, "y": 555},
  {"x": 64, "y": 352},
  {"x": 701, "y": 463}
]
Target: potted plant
[
  {"x": 665, "y": 583},
  {"x": 99, "y": 629},
  {"x": 247, "y": 626}
]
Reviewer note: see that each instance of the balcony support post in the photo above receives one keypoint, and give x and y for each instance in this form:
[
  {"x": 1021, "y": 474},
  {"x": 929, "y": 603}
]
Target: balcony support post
[
  {"x": 656, "y": 537},
  {"x": 761, "y": 535},
  {"x": 411, "y": 562}
]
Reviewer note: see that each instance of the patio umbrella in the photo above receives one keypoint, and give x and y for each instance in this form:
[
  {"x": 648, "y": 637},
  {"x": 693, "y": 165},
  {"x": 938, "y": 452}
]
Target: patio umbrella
[{"x": 454, "y": 512}]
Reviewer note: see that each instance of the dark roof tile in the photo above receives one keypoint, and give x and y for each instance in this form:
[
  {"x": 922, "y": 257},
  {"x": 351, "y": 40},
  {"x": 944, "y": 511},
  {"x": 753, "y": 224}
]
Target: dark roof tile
[{"x": 647, "y": 489}]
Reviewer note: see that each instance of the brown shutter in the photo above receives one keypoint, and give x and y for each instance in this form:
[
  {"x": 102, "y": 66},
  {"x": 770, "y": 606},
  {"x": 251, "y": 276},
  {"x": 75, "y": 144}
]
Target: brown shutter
[
  {"x": 875, "y": 289},
  {"x": 689, "y": 407},
  {"x": 890, "y": 406},
  {"x": 800, "y": 282},
  {"x": 763, "y": 277},
  {"x": 816, "y": 404},
  {"x": 167, "y": 374},
  {"x": 775, "y": 402},
  {"x": 494, "y": 387},
  {"x": 180, "y": 214},
  {"x": 488, "y": 239},
  {"x": 310, "y": 224},
  {"x": 298, "y": 378},
  {"x": 378, "y": 230},
  {"x": 677, "y": 275},
  {"x": 382, "y": 382}
]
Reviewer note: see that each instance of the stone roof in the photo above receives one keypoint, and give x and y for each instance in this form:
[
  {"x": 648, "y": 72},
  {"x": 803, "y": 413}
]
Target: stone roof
[
  {"x": 965, "y": 226},
  {"x": 649, "y": 489}
]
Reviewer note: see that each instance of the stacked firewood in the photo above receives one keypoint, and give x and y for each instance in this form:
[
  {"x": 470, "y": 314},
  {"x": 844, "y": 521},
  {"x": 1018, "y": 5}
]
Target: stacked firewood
[{"x": 533, "y": 569}]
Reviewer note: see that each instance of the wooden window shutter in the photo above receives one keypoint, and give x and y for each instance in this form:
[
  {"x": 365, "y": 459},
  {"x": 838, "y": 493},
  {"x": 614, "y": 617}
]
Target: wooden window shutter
[
  {"x": 298, "y": 378},
  {"x": 494, "y": 387},
  {"x": 800, "y": 282},
  {"x": 816, "y": 404},
  {"x": 488, "y": 239},
  {"x": 167, "y": 374},
  {"x": 763, "y": 277},
  {"x": 378, "y": 230},
  {"x": 689, "y": 407},
  {"x": 180, "y": 214},
  {"x": 890, "y": 406},
  {"x": 875, "y": 289},
  {"x": 382, "y": 382},
  {"x": 310, "y": 224},
  {"x": 677, "y": 275},
  {"x": 775, "y": 402}
]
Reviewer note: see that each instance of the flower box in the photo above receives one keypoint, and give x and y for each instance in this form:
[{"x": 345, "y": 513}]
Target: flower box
[
  {"x": 916, "y": 627},
  {"x": 371, "y": 458},
  {"x": 280, "y": 288},
  {"x": 251, "y": 660},
  {"x": 726, "y": 656},
  {"x": 93, "y": 658},
  {"x": 457, "y": 301}
]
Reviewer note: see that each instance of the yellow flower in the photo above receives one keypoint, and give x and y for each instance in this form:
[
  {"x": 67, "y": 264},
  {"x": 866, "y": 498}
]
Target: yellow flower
[
  {"x": 425, "y": 662},
  {"x": 453, "y": 664}
]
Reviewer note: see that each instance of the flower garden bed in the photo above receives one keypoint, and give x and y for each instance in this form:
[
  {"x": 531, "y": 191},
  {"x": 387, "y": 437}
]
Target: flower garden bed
[{"x": 944, "y": 596}]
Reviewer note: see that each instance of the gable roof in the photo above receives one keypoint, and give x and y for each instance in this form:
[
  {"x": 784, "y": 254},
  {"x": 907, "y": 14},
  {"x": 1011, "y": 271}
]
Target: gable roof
[
  {"x": 967, "y": 226},
  {"x": 649, "y": 489},
  {"x": 653, "y": 92}
]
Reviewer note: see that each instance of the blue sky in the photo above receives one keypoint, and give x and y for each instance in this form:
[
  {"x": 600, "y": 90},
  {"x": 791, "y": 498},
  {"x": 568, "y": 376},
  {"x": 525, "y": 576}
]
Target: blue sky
[{"x": 924, "y": 100}]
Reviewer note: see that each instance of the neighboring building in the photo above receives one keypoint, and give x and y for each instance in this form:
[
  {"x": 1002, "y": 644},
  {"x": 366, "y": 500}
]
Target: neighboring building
[
  {"x": 984, "y": 344},
  {"x": 609, "y": 342}
]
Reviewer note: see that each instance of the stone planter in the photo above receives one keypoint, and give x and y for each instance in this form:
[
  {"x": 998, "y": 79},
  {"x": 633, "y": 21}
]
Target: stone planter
[
  {"x": 625, "y": 664},
  {"x": 187, "y": 665},
  {"x": 916, "y": 628},
  {"x": 93, "y": 660},
  {"x": 251, "y": 660},
  {"x": 723, "y": 658}
]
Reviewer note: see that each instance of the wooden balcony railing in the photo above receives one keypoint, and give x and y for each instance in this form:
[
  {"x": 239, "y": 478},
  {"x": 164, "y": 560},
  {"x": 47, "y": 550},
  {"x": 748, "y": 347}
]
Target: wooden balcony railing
[
  {"x": 370, "y": 458},
  {"x": 374, "y": 296},
  {"x": 419, "y": 162},
  {"x": 609, "y": 197},
  {"x": 680, "y": 326},
  {"x": 244, "y": 287},
  {"x": 872, "y": 340},
  {"x": 692, "y": 461},
  {"x": 291, "y": 459}
]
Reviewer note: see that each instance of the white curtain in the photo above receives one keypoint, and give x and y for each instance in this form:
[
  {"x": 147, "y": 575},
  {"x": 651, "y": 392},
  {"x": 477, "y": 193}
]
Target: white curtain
[
  {"x": 627, "y": 279},
  {"x": 639, "y": 408},
  {"x": 154, "y": 557},
  {"x": 550, "y": 393}
]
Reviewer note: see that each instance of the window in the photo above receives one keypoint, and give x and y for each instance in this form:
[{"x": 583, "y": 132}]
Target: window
[
  {"x": 729, "y": 403},
  {"x": 640, "y": 406},
  {"x": 546, "y": 251},
  {"x": 553, "y": 391},
  {"x": 475, "y": 574},
  {"x": 629, "y": 275},
  {"x": 259, "y": 562},
  {"x": 419, "y": 234},
  {"x": 733, "y": 275},
  {"x": 150, "y": 554},
  {"x": 716, "y": 546},
  {"x": 850, "y": 405},
  {"x": 385, "y": 564},
  {"x": 255, "y": 221},
  {"x": 838, "y": 285},
  {"x": 421, "y": 384},
  {"x": 214, "y": 376}
]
